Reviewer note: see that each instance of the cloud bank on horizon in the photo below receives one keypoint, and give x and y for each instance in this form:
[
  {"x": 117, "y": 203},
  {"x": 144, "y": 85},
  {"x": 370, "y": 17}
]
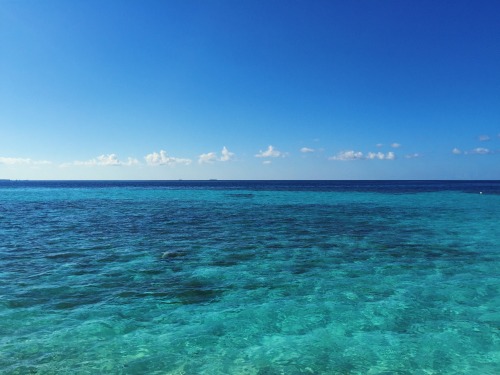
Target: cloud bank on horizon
[{"x": 162, "y": 158}]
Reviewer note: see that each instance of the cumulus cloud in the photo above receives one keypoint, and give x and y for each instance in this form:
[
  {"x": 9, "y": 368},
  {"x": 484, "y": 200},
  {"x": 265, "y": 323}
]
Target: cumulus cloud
[
  {"x": 161, "y": 158},
  {"x": 456, "y": 151},
  {"x": 306, "y": 150},
  {"x": 379, "y": 145},
  {"x": 271, "y": 152},
  {"x": 484, "y": 138},
  {"x": 22, "y": 161},
  {"x": 396, "y": 145},
  {"x": 375, "y": 155},
  {"x": 209, "y": 157},
  {"x": 226, "y": 154},
  {"x": 358, "y": 155}
]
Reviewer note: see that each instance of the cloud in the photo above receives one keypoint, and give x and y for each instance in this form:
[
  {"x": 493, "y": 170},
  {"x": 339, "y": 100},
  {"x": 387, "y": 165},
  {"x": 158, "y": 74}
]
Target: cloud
[
  {"x": 380, "y": 156},
  {"x": 267, "y": 162},
  {"x": 226, "y": 154},
  {"x": 396, "y": 145},
  {"x": 131, "y": 161},
  {"x": 412, "y": 156},
  {"x": 480, "y": 151},
  {"x": 476, "y": 151},
  {"x": 375, "y": 155},
  {"x": 379, "y": 145},
  {"x": 483, "y": 138},
  {"x": 271, "y": 152},
  {"x": 209, "y": 157},
  {"x": 22, "y": 161},
  {"x": 162, "y": 158},
  {"x": 306, "y": 150},
  {"x": 358, "y": 155},
  {"x": 347, "y": 155},
  {"x": 109, "y": 160}
]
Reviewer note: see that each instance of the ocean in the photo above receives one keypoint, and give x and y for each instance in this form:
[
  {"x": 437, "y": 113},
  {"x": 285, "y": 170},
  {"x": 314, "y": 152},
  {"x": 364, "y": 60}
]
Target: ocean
[{"x": 250, "y": 277}]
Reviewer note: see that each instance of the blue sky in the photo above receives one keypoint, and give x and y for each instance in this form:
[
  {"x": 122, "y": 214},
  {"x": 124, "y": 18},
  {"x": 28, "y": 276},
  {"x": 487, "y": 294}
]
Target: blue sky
[{"x": 254, "y": 89}]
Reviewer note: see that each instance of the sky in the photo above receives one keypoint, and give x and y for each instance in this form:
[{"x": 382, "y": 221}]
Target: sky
[{"x": 249, "y": 89}]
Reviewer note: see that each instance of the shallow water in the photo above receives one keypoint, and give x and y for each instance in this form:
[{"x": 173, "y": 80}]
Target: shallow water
[{"x": 250, "y": 278}]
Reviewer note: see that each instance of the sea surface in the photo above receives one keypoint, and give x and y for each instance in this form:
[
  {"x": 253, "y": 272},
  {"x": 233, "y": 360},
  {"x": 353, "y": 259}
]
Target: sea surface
[{"x": 250, "y": 277}]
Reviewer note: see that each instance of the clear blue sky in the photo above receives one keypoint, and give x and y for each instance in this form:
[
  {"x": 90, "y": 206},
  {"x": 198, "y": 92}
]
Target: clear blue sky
[{"x": 198, "y": 89}]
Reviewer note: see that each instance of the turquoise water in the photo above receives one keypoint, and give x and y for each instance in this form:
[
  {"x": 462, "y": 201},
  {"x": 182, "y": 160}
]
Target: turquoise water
[{"x": 250, "y": 278}]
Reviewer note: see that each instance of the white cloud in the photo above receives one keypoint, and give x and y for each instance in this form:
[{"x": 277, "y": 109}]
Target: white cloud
[
  {"x": 375, "y": 155},
  {"x": 480, "y": 151},
  {"x": 484, "y": 138},
  {"x": 271, "y": 152},
  {"x": 209, "y": 157},
  {"x": 412, "y": 156},
  {"x": 109, "y": 160},
  {"x": 380, "y": 156},
  {"x": 476, "y": 151},
  {"x": 379, "y": 145},
  {"x": 132, "y": 161},
  {"x": 396, "y": 145},
  {"x": 226, "y": 154},
  {"x": 14, "y": 161},
  {"x": 306, "y": 150},
  {"x": 347, "y": 155},
  {"x": 22, "y": 161},
  {"x": 162, "y": 158},
  {"x": 267, "y": 162},
  {"x": 358, "y": 155}
]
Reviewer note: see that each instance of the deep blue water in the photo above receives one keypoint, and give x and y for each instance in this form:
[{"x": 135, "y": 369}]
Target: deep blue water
[{"x": 250, "y": 277}]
